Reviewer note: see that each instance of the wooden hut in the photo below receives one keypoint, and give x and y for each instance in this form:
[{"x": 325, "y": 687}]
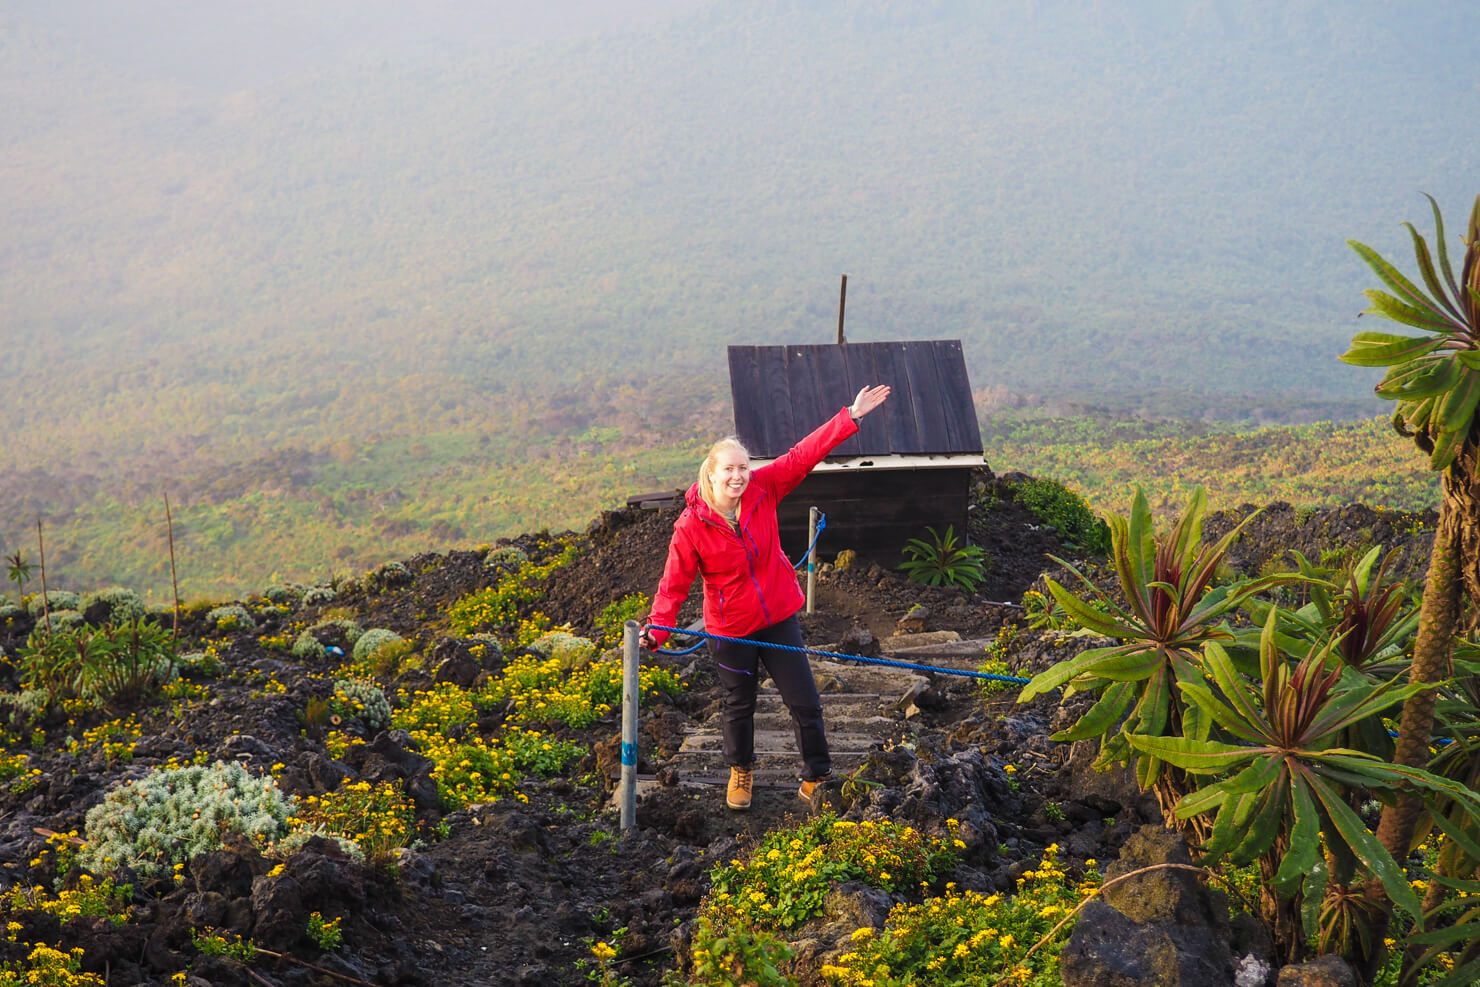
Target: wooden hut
[{"x": 908, "y": 467}]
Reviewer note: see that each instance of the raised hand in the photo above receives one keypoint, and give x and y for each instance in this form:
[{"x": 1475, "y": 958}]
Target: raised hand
[{"x": 868, "y": 399}]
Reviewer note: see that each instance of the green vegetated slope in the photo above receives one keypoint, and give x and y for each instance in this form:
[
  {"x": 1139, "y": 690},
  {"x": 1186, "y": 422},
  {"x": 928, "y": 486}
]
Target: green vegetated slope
[
  {"x": 318, "y": 516},
  {"x": 1319, "y": 465},
  {"x": 305, "y": 519}
]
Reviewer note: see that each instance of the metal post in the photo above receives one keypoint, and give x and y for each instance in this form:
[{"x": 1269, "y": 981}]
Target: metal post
[
  {"x": 811, "y": 555},
  {"x": 842, "y": 304},
  {"x": 630, "y": 659}
]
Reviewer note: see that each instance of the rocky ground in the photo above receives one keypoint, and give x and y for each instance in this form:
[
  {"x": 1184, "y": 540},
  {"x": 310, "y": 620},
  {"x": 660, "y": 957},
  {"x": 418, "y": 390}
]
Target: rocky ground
[{"x": 515, "y": 892}]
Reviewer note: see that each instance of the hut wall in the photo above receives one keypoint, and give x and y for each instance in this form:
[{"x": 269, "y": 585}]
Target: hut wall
[{"x": 874, "y": 511}]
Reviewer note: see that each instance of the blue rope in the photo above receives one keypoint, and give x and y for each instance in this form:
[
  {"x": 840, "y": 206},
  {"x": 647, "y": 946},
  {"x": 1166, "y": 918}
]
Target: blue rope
[
  {"x": 821, "y": 523},
  {"x": 840, "y": 657}
]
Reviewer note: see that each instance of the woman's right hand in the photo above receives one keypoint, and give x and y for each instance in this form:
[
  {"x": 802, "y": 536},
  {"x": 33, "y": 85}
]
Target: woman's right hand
[{"x": 867, "y": 400}]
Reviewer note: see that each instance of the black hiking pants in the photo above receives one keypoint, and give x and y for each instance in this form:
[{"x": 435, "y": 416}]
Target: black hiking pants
[{"x": 739, "y": 666}]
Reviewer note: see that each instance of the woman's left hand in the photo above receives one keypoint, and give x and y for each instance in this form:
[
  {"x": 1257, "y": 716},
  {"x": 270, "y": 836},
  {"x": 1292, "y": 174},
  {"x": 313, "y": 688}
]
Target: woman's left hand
[{"x": 868, "y": 399}]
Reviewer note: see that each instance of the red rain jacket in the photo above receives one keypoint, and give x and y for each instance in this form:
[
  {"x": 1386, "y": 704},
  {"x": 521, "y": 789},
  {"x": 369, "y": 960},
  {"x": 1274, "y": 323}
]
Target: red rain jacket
[{"x": 748, "y": 581}]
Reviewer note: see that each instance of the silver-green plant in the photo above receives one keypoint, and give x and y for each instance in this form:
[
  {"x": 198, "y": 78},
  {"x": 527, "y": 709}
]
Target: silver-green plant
[
  {"x": 232, "y": 617},
  {"x": 57, "y": 599},
  {"x": 172, "y": 814},
  {"x": 362, "y": 700},
  {"x": 124, "y": 605},
  {"x": 372, "y": 641},
  {"x": 507, "y": 559},
  {"x": 316, "y": 596},
  {"x": 570, "y": 650},
  {"x": 389, "y": 574},
  {"x": 277, "y": 593}
]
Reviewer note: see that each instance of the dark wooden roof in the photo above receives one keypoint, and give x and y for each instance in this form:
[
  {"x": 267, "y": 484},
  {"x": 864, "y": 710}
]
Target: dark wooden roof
[{"x": 780, "y": 393}]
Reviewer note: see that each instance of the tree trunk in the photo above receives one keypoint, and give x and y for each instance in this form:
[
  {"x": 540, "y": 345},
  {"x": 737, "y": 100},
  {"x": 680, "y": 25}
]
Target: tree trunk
[{"x": 1432, "y": 649}]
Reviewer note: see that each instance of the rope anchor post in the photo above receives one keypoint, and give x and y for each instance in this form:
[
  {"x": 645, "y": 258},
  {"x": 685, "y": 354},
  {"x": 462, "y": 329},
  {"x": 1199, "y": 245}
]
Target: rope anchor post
[
  {"x": 631, "y": 632},
  {"x": 811, "y": 555}
]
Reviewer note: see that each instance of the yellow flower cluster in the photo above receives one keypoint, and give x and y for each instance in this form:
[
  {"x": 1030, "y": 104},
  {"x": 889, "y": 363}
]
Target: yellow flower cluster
[
  {"x": 115, "y": 739},
  {"x": 380, "y": 818},
  {"x": 966, "y": 937},
  {"x": 790, "y": 874},
  {"x": 50, "y": 967}
]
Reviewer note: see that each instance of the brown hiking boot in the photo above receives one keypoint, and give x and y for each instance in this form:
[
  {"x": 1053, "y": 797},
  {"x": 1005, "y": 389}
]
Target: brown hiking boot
[
  {"x": 811, "y": 791},
  {"x": 737, "y": 796}
]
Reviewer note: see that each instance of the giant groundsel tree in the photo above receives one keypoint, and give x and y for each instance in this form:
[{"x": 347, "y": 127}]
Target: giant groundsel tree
[{"x": 1434, "y": 376}]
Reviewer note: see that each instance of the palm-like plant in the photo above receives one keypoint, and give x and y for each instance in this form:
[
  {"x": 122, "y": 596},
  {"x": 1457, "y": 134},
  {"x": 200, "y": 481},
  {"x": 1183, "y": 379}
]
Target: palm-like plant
[
  {"x": 1285, "y": 778},
  {"x": 1435, "y": 380},
  {"x": 944, "y": 561},
  {"x": 18, "y": 570},
  {"x": 1171, "y": 610}
]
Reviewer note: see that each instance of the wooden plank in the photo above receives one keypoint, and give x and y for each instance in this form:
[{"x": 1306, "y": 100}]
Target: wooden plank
[
  {"x": 962, "y": 433},
  {"x": 831, "y": 377},
  {"x": 775, "y": 387},
  {"x": 858, "y": 373},
  {"x": 930, "y": 418},
  {"x": 801, "y": 390},
  {"x": 901, "y": 435},
  {"x": 750, "y": 417}
]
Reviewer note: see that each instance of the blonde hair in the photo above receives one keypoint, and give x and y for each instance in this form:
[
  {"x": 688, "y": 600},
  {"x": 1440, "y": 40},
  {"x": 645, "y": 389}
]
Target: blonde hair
[{"x": 706, "y": 486}]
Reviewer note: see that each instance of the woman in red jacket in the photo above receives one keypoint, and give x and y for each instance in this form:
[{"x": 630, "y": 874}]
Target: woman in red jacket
[{"x": 728, "y": 534}]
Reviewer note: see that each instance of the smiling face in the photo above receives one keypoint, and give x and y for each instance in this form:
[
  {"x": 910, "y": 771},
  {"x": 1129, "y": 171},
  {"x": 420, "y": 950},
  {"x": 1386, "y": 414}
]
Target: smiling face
[{"x": 729, "y": 477}]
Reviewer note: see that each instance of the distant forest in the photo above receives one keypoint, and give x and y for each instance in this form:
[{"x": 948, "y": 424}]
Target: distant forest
[{"x": 339, "y": 287}]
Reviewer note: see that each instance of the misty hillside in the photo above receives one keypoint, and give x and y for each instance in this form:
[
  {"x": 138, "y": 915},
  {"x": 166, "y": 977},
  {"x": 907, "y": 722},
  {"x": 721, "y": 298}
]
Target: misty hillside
[{"x": 261, "y": 245}]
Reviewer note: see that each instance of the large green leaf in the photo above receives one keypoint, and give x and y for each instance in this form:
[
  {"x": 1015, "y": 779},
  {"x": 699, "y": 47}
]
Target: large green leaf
[
  {"x": 1423, "y": 377},
  {"x": 1156, "y": 700},
  {"x": 1228, "y": 825},
  {"x": 1393, "y": 278},
  {"x": 1224, "y": 715},
  {"x": 1264, "y": 825},
  {"x": 1103, "y": 715},
  {"x": 1420, "y": 317},
  {"x": 1345, "y": 709},
  {"x": 1305, "y": 839},
  {"x": 1442, "y": 247},
  {"x": 1426, "y": 268},
  {"x": 1088, "y": 617},
  {"x": 1355, "y": 834},
  {"x": 1196, "y": 756}
]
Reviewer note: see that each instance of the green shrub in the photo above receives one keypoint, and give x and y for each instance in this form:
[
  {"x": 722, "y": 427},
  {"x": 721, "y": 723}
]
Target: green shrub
[
  {"x": 1065, "y": 511},
  {"x": 316, "y": 596},
  {"x": 61, "y": 620},
  {"x": 281, "y": 594},
  {"x": 566, "y": 649},
  {"x": 57, "y": 599},
  {"x": 611, "y": 622},
  {"x": 24, "y": 706},
  {"x": 498, "y": 606},
  {"x": 200, "y": 664},
  {"x": 387, "y": 575},
  {"x": 9, "y": 612},
  {"x": 98, "y": 664},
  {"x": 944, "y": 561},
  {"x": 124, "y": 605},
  {"x": 507, "y": 559},
  {"x": 361, "y": 700},
  {"x": 373, "y": 640},
  {"x": 172, "y": 814},
  {"x": 231, "y": 617}
]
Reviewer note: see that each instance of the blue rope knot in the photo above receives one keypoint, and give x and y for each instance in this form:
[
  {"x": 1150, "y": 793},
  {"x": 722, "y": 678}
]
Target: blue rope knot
[{"x": 835, "y": 655}]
